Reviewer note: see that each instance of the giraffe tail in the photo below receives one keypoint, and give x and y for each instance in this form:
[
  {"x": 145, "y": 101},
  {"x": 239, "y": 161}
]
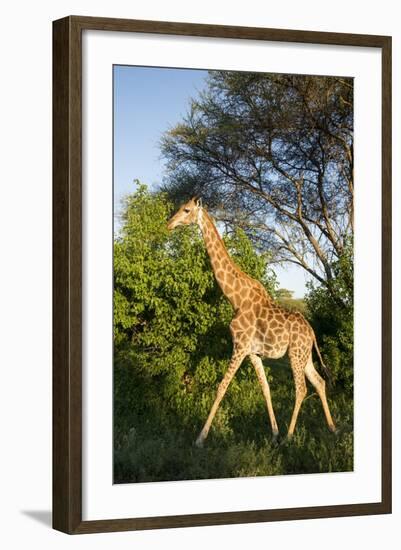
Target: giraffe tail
[{"x": 326, "y": 369}]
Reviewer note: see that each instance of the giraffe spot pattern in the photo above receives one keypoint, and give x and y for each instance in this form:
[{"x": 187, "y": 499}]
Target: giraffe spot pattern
[{"x": 260, "y": 326}]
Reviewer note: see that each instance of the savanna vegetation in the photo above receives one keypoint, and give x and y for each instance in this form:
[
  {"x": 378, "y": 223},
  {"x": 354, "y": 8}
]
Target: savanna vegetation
[
  {"x": 172, "y": 347},
  {"x": 272, "y": 157}
]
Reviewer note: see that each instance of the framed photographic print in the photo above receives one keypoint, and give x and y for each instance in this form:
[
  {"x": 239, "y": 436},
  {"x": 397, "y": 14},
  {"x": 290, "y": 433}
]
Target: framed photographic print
[{"x": 222, "y": 274}]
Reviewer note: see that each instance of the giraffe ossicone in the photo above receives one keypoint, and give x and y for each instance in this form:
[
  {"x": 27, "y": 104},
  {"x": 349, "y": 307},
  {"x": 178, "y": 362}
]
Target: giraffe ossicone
[{"x": 260, "y": 327}]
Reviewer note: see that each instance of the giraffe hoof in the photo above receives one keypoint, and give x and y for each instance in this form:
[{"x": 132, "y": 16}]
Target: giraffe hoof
[
  {"x": 199, "y": 442},
  {"x": 284, "y": 441},
  {"x": 275, "y": 437}
]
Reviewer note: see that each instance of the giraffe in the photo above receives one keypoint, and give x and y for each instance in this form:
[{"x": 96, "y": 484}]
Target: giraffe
[{"x": 260, "y": 327}]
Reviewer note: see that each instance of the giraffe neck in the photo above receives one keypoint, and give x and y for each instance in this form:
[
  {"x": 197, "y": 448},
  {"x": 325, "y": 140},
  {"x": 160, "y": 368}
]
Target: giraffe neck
[{"x": 229, "y": 276}]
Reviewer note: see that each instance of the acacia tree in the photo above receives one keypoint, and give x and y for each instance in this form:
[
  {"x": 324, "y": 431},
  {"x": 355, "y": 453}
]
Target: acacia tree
[{"x": 274, "y": 155}]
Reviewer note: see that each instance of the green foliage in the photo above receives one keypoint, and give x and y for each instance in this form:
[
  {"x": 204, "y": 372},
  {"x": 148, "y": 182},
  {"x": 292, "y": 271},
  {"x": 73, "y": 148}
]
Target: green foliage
[
  {"x": 171, "y": 348},
  {"x": 333, "y": 320}
]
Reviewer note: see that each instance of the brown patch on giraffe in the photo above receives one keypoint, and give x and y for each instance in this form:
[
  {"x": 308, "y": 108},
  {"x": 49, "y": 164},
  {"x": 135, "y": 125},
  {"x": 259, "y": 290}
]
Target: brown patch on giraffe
[
  {"x": 244, "y": 290},
  {"x": 237, "y": 285},
  {"x": 270, "y": 335},
  {"x": 229, "y": 291},
  {"x": 264, "y": 313},
  {"x": 245, "y": 321},
  {"x": 245, "y": 336},
  {"x": 261, "y": 324},
  {"x": 254, "y": 296}
]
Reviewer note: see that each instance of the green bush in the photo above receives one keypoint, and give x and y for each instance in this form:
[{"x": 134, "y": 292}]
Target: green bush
[{"x": 333, "y": 321}]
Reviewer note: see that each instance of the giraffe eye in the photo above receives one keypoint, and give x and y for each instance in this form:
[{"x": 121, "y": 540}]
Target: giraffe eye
[{"x": 187, "y": 210}]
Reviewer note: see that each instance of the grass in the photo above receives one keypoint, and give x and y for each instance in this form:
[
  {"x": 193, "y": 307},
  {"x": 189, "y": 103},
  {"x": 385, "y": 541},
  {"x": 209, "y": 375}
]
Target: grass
[{"x": 240, "y": 442}]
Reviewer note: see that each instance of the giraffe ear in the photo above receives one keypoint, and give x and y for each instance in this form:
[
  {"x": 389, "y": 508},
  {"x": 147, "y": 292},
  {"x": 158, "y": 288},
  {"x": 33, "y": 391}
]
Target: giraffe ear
[{"x": 197, "y": 200}]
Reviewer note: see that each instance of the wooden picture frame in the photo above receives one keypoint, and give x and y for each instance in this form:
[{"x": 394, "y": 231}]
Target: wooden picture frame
[{"x": 67, "y": 274}]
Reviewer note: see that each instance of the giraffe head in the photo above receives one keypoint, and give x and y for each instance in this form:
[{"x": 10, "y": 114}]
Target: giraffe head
[{"x": 187, "y": 214}]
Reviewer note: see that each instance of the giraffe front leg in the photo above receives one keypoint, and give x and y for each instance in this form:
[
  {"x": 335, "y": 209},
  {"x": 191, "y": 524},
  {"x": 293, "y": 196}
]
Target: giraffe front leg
[
  {"x": 235, "y": 363},
  {"x": 260, "y": 372}
]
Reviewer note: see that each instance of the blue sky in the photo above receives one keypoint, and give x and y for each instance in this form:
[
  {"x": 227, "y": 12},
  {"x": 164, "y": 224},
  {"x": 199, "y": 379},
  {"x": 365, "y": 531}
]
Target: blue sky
[{"x": 147, "y": 101}]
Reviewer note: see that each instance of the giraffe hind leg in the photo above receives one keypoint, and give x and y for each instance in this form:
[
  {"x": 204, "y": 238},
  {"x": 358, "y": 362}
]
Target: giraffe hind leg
[
  {"x": 320, "y": 385},
  {"x": 298, "y": 367}
]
